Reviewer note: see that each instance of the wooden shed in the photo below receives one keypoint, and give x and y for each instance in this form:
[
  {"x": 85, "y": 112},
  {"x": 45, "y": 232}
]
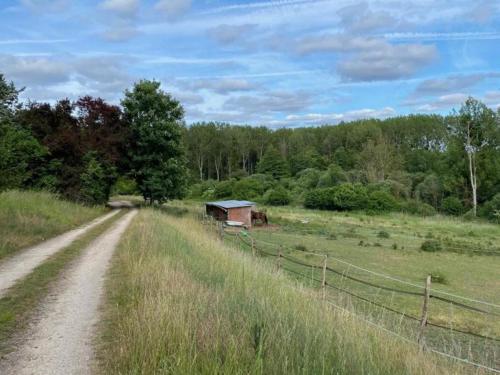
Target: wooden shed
[{"x": 238, "y": 211}]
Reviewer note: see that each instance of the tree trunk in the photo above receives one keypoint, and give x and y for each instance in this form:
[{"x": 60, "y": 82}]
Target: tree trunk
[
  {"x": 200, "y": 167},
  {"x": 472, "y": 171}
]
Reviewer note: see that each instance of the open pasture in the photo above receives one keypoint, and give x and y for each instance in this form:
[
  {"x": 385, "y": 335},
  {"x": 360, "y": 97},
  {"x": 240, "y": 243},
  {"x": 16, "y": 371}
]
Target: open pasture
[{"x": 377, "y": 268}]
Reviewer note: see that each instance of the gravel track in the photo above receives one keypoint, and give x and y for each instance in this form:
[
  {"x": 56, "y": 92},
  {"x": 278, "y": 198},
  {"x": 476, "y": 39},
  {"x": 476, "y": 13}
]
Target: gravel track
[
  {"x": 59, "y": 339},
  {"x": 25, "y": 261}
]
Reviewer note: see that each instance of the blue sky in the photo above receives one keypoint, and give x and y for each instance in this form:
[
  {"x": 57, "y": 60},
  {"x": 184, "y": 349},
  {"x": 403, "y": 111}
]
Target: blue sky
[{"x": 274, "y": 63}]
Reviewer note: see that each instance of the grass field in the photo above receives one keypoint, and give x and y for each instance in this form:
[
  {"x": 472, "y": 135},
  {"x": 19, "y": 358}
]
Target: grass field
[
  {"x": 180, "y": 301},
  {"x": 28, "y": 217},
  {"x": 390, "y": 245}
]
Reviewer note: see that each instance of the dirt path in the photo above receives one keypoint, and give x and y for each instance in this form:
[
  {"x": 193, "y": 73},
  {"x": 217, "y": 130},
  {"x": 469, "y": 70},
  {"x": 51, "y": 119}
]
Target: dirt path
[
  {"x": 24, "y": 262},
  {"x": 59, "y": 341}
]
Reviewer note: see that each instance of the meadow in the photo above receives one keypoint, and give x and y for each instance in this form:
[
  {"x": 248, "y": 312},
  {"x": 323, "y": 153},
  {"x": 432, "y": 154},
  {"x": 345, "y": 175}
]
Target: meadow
[
  {"x": 181, "y": 301},
  {"x": 29, "y": 217},
  {"x": 382, "y": 250}
]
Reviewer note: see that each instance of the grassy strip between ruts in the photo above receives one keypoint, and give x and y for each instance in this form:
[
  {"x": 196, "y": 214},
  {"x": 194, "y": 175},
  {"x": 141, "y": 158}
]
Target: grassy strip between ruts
[
  {"x": 26, "y": 294},
  {"x": 29, "y": 217},
  {"x": 181, "y": 302}
]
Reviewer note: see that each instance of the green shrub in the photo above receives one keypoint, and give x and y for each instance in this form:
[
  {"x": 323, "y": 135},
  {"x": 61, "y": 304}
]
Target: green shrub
[
  {"x": 431, "y": 246},
  {"x": 452, "y": 206},
  {"x": 301, "y": 247},
  {"x": 247, "y": 188},
  {"x": 491, "y": 209},
  {"x": 125, "y": 186},
  {"x": 94, "y": 181},
  {"x": 381, "y": 201},
  {"x": 277, "y": 197},
  {"x": 383, "y": 234},
  {"x": 335, "y": 175},
  {"x": 200, "y": 189},
  {"x": 224, "y": 189},
  {"x": 349, "y": 197},
  {"x": 308, "y": 178},
  {"x": 418, "y": 208},
  {"x": 317, "y": 199},
  {"x": 438, "y": 277},
  {"x": 395, "y": 188},
  {"x": 343, "y": 197}
]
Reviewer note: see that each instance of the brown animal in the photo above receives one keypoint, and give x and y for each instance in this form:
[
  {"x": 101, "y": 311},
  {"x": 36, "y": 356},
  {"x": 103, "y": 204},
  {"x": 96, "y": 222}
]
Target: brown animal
[{"x": 256, "y": 215}]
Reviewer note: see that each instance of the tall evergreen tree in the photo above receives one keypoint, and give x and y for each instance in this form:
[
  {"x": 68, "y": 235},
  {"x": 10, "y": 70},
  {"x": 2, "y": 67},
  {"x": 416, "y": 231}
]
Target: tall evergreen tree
[{"x": 273, "y": 163}]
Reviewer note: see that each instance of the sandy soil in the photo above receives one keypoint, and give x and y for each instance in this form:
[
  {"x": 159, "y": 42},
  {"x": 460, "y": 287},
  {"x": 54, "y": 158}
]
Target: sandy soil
[
  {"x": 25, "y": 261},
  {"x": 59, "y": 340}
]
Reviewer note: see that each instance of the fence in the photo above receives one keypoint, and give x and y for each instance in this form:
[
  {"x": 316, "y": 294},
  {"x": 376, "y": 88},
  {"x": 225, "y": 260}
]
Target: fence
[{"x": 425, "y": 293}]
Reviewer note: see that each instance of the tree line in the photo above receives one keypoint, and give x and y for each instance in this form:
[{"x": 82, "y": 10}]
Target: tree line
[
  {"x": 418, "y": 163},
  {"x": 88, "y": 149},
  {"x": 83, "y": 149}
]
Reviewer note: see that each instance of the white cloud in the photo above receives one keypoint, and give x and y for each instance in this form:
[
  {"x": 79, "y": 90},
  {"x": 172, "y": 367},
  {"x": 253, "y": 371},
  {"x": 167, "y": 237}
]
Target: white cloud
[
  {"x": 444, "y": 102},
  {"x": 45, "y": 5},
  {"x": 452, "y": 83},
  {"x": 46, "y": 77},
  {"x": 335, "y": 118},
  {"x": 221, "y": 86},
  {"x": 121, "y": 7},
  {"x": 270, "y": 102},
  {"x": 120, "y": 31},
  {"x": 226, "y": 34},
  {"x": 173, "y": 9},
  {"x": 386, "y": 63},
  {"x": 370, "y": 59}
]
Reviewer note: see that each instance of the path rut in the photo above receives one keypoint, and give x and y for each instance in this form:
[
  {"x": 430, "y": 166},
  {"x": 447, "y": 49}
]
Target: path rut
[
  {"x": 59, "y": 340},
  {"x": 25, "y": 261}
]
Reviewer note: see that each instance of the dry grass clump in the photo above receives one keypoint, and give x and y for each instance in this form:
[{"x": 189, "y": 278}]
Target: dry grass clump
[
  {"x": 29, "y": 217},
  {"x": 181, "y": 302}
]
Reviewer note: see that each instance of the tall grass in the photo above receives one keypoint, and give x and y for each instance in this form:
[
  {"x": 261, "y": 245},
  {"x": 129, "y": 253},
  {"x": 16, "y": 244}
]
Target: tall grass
[
  {"x": 28, "y": 217},
  {"x": 181, "y": 302}
]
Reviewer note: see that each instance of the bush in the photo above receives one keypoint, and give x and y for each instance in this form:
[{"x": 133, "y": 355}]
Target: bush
[
  {"x": 418, "y": 208},
  {"x": 349, "y": 197},
  {"x": 383, "y": 234},
  {"x": 343, "y": 197},
  {"x": 94, "y": 181},
  {"x": 438, "y": 277},
  {"x": 201, "y": 188},
  {"x": 395, "y": 188},
  {"x": 317, "y": 199},
  {"x": 308, "y": 178},
  {"x": 224, "y": 189},
  {"x": 277, "y": 197},
  {"x": 247, "y": 188},
  {"x": 301, "y": 247},
  {"x": 452, "y": 206},
  {"x": 125, "y": 186},
  {"x": 381, "y": 201},
  {"x": 431, "y": 246},
  {"x": 335, "y": 175},
  {"x": 491, "y": 209}
]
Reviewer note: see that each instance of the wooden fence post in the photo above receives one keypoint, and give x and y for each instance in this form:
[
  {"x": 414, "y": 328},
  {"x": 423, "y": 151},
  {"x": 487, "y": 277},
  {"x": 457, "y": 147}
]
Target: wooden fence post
[
  {"x": 253, "y": 246},
  {"x": 425, "y": 312},
  {"x": 323, "y": 282},
  {"x": 221, "y": 231}
]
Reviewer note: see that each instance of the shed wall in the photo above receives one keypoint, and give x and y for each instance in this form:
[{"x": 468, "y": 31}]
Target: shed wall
[{"x": 243, "y": 214}]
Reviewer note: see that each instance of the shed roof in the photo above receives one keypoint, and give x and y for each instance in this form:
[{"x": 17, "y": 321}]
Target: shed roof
[{"x": 231, "y": 204}]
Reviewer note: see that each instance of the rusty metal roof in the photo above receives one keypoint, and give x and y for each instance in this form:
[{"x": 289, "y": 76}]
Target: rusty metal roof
[{"x": 231, "y": 204}]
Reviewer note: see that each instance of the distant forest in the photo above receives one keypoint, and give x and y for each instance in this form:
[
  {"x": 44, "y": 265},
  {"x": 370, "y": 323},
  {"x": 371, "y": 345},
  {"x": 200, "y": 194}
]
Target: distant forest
[{"x": 89, "y": 149}]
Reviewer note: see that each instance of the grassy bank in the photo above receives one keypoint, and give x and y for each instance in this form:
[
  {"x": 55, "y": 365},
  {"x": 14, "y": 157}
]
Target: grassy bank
[
  {"x": 181, "y": 302},
  {"x": 20, "y": 301},
  {"x": 28, "y": 217}
]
